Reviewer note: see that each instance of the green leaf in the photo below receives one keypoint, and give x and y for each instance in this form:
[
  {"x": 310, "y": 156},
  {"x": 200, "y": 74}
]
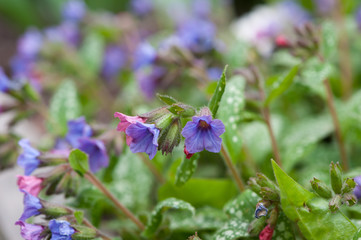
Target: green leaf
[
  {"x": 318, "y": 222},
  {"x": 91, "y": 52},
  {"x": 234, "y": 229},
  {"x": 64, "y": 106},
  {"x": 357, "y": 235},
  {"x": 78, "y": 160},
  {"x": 281, "y": 85},
  {"x": 329, "y": 40},
  {"x": 293, "y": 195},
  {"x": 218, "y": 93},
  {"x": 283, "y": 229},
  {"x": 157, "y": 214},
  {"x": 79, "y": 215},
  {"x": 243, "y": 206},
  {"x": 186, "y": 169},
  {"x": 197, "y": 192},
  {"x": 230, "y": 109},
  {"x": 166, "y": 99}
]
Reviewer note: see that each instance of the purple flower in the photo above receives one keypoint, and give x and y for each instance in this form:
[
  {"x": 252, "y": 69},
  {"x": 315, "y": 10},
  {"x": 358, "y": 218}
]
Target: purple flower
[
  {"x": 142, "y": 7},
  {"x": 32, "y": 206},
  {"x": 197, "y": 34},
  {"x": 113, "y": 61},
  {"x": 357, "y": 190},
  {"x": 214, "y": 73},
  {"x": 201, "y": 8},
  {"x": 325, "y": 6},
  {"x": 203, "y": 133},
  {"x": 6, "y": 84},
  {"x": 358, "y": 17},
  {"x": 144, "y": 55},
  {"x": 144, "y": 138},
  {"x": 60, "y": 230},
  {"x": 30, "y": 231},
  {"x": 77, "y": 129},
  {"x": 30, "y": 44},
  {"x": 29, "y": 158},
  {"x": 147, "y": 79},
  {"x": 96, "y": 151},
  {"x": 67, "y": 33},
  {"x": 74, "y": 10}
]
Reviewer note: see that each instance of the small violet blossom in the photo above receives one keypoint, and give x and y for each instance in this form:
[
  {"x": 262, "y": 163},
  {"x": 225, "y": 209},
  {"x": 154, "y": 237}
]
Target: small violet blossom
[
  {"x": 30, "y": 231},
  {"x": 60, "y": 230},
  {"x": 203, "y": 133},
  {"x": 96, "y": 150},
  {"x": 74, "y": 10},
  {"x": 357, "y": 190},
  {"x": 30, "y": 184},
  {"x": 142, "y": 7},
  {"x": 29, "y": 158},
  {"x": 5, "y": 83},
  {"x": 113, "y": 61},
  {"x": 30, "y": 44},
  {"x": 125, "y": 122},
  {"x": 358, "y": 17},
  {"x": 144, "y": 55},
  {"x": 66, "y": 33},
  {"x": 266, "y": 233},
  {"x": 77, "y": 128},
  {"x": 144, "y": 138},
  {"x": 32, "y": 206}
]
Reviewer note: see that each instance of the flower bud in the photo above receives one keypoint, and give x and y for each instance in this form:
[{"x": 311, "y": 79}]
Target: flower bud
[
  {"x": 264, "y": 181},
  {"x": 272, "y": 220},
  {"x": 54, "y": 211},
  {"x": 335, "y": 203},
  {"x": 194, "y": 237},
  {"x": 83, "y": 233},
  {"x": 269, "y": 194},
  {"x": 321, "y": 188},
  {"x": 349, "y": 199},
  {"x": 336, "y": 177},
  {"x": 170, "y": 137},
  {"x": 348, "y": 185},
  {"x": 152, "y": 116},
  {"x": 256, "y": 226},
  {"x": 261, "y": 210},
  {"x": 253, "y": 185}
]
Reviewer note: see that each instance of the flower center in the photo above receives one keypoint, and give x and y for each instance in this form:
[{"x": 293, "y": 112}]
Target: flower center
[{"x": 203, "y": 124}]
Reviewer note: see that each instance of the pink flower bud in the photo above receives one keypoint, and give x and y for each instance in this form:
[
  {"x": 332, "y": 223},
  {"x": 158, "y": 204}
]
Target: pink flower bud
[{"x": 30, "y": 184}]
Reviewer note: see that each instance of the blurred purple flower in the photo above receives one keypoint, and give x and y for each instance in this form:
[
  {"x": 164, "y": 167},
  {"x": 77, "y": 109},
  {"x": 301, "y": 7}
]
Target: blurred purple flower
[
  {"x": 32, "y": 206},
  {"x": 144, "y": 55},
  {"x": 77, "y": 128},
  {"x": 214, "y": 73},
  {"x": 358, "y": 17},
  {"x": 144, "y": 138},
  {"x": 113, "y": 61},
  {"x": 98, "y": 157},
  {"x": 357, "y": 190},
  {"x": 30, "y": 44},
  {"x": 74, "y": 10},
  {"x": 325, "y": 6},
  {"x": 30, "y": 231},
  {"x": 60, "y": 230},
  {"x": 6, "y": 84},
  {"x": 203, "y": 133},
  {"x": 147, "y": 79},
  {"x": 197, "y": 34},
  {"x": 29, "y": 158},
  {"x": 142, "y": 7},
  {"x": 66, "y": 32},
  {"x": 201, "y": 8}
]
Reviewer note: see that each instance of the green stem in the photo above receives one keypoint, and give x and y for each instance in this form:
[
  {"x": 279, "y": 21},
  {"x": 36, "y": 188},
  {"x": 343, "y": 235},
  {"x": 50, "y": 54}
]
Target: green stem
[{"x": 233, "y": 169}]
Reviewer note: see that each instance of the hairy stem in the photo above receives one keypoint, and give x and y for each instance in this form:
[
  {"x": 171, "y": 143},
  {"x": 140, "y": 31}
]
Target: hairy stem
[
  {"x": 336, "y": 124},
  {"x": 267, "y": 118},
  {"x": 94, "y": 180},
  {"x": 233, "y": 169}
]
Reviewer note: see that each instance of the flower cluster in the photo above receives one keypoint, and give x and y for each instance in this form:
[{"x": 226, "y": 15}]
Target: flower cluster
[{"x": 160, "y": 130}]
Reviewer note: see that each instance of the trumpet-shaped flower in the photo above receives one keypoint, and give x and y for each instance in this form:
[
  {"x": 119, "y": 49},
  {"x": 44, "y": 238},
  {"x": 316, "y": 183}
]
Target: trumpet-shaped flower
[
  {"x": 29, "y": 158},
  {"x": 30, "y": 184},
  {"x": 32, "y": 206},
  {"x": 203, "y": 133},
  {"x": 144, "y": 138},
  {"x": 60, "y": 230},
  {"x": 30, "y": 231},
  {"x": 77, "y": 129},
  {"x": 125, "y": 122},
  {"x": 98, "y": 157}
]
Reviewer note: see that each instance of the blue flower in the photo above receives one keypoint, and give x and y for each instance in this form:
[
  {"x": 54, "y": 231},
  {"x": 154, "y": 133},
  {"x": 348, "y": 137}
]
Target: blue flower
[
  {"x": 29, "y": 158},
  {"x": 30, "y": 44},
  {"x": 74, "y": 10},
  {"x": 142, "y": 7},
  {"x": 144, "y": 138},
  {"x": 261, "y": 211},
  {"x": 77, "y": 129},
  {"x": 6, "y": 84},
  {"x": 198, "y": 35},
  {"x": 66, "y": 33},
  {"x": 113, "y": 61},
  {"x": 30, "y": 231},
  {"x": 96, "y": 151},
  {"x": 357, "y": 190},
  {"x": 60, "y": 230},
  {"x": 32, "y": 206},
  {"x": 214, "y": 73},
  {"x": 144, "y": 55},
  {"x": 203, "y": 133}
]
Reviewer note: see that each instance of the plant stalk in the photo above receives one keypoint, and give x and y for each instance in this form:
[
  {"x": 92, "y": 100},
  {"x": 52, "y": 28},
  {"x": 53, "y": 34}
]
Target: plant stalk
[
  {"x": 267, "y": 118},
  {"x": 233, "y": 169},
  {"x": 94, "y": 180}
]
